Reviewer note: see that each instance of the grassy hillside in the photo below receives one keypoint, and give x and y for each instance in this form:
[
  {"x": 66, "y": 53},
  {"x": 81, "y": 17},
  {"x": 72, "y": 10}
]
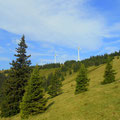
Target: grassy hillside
[
  {"x": 101, "y": 102},
  {"x": 46, "y": 72}
]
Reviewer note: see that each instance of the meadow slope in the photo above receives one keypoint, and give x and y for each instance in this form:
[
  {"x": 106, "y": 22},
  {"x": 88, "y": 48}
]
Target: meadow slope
[{"x": 100, "y": 102}]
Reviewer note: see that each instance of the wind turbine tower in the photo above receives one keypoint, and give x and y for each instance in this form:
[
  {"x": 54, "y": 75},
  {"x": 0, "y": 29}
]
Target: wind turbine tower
[{"x": 78, "y": 53}]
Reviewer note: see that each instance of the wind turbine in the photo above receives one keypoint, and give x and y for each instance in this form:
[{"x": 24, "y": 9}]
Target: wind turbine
[{"x": 46, "y": 60}]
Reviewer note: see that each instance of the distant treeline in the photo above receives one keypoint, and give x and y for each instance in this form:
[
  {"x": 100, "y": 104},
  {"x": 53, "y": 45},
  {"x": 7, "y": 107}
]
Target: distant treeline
[
  {"x": 48, "y": 66},
  {"x": 99, "y": 59},
  {"x": 71, "y": 65},
  {"x": 92, "y": 61}
]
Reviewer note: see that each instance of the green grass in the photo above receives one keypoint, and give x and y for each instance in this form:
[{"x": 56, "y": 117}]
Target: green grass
[
  {"x": 100, "y": 102},
  {"x": 46, "y": 72}
]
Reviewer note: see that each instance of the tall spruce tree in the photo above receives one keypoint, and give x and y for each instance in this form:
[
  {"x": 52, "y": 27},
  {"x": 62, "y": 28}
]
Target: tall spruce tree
[
  {"x": 82, "y": 80},
  {"x": 33, "y": 101},
  {"x": 14, "y": 87},
  {"x": 48, "y": 81},
  {"x": 62, "y": 78},
  {"x": 109, "y": 75},
  {"x": 55, "y": 85}
]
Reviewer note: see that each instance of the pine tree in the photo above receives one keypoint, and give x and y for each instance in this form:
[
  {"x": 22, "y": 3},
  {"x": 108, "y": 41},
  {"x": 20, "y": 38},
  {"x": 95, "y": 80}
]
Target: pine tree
[
  {"x": 82, "y": 80},
  {"x": 109, "y": 75},
  {"x": 76, "y": 66},
  {"x": 14, "y": 87},
  {"x": 62, "y": 78},
  {"x": 48, "y": 81},
  {"x": 70, "y": 72},
  {"x": 33, "y": 101},
  {"x": 55, "y": 85}
]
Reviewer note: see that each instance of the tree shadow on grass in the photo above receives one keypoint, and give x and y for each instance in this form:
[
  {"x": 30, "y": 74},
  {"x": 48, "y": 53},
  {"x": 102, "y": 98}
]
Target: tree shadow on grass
[
  {"x": 55, "y": 95},
  {"x": 50, "y": 105}
]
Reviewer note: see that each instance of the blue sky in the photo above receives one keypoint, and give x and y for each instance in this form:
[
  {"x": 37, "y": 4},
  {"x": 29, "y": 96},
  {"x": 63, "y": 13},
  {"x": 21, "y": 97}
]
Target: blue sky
[{"x": 59, "y": 26}]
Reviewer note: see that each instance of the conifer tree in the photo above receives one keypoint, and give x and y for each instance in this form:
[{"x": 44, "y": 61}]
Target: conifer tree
[
  {"x": 14, "y": 87},
  {"x": 109, "y": 75},
  {"x": 48, "y": 81},
  {"x": 33, "y": 101},
  {"x": 62, "y": 78},
  {"x": 55, "y": 85},
  {"x": 76, "y": 66},
  {"x": 82, "y": 80},
  {"x": 70, "y": 72}
]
